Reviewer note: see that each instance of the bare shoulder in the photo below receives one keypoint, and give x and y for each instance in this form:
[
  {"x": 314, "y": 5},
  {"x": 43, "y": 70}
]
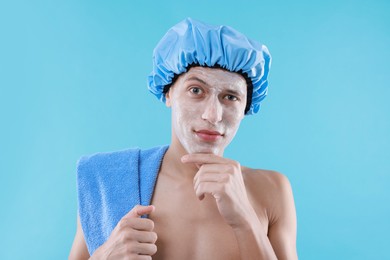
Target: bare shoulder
[
  {"x": 268, "y": 190},
  {"x": 266, "y": 180},
  {"x": 271, "y": 196}
]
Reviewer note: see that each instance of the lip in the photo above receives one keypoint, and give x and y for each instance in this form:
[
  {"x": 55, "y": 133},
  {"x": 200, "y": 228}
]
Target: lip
[{"x": 208, "y": 135}]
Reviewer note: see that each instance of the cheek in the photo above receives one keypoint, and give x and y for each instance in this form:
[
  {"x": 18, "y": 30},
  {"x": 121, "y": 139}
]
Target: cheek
[
  {"x": 183, "y": 115},
  {"x": 233, "y": 120},
  {"x": 184, "y": 110}
]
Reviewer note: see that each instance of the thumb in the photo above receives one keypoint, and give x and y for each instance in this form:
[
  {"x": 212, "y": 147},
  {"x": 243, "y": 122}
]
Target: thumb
[{"x": 139, "y": 210}]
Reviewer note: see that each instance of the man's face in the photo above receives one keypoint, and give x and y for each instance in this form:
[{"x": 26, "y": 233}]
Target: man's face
[{"x": 207, "y": 107}]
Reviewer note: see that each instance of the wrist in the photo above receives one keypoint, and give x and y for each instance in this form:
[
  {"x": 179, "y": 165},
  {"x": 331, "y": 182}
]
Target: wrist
[
  {"x": 248, "y": 221},
  {"x": 99, "y": 254}
]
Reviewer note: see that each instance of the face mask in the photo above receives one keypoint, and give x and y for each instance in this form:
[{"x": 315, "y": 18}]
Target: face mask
[{"x": 207, "y": 108}]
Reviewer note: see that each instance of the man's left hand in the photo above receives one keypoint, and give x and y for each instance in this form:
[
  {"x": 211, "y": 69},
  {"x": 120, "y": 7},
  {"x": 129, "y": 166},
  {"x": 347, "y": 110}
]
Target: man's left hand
[{"x": 222, "y": 178}]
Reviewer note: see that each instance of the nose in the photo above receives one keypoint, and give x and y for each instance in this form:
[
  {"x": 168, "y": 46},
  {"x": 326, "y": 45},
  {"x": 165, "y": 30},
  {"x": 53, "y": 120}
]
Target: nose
[{"x": 212, "y": 110}]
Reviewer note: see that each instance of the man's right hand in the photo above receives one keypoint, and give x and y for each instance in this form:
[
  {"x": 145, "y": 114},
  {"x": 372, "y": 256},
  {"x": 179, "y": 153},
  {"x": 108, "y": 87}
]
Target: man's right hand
[{"x": 132, "y": 238}]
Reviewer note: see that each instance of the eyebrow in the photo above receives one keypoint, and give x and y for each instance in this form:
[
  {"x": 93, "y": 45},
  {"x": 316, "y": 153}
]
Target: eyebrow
[
  {"x": 197, "y": 79},
  {"x": 230, "y": 91}
]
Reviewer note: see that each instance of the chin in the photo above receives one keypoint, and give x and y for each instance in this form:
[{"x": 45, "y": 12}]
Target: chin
[{"x": 203, "y": 149}]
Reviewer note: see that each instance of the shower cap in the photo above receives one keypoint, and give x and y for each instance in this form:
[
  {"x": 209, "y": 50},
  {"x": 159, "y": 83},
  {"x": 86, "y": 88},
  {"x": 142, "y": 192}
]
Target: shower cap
[{"x": 192, "y": 42}]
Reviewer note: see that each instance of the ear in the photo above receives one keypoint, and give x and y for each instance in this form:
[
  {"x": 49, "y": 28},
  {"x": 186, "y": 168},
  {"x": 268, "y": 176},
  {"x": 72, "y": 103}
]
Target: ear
[{"x": 168, "y": 98}]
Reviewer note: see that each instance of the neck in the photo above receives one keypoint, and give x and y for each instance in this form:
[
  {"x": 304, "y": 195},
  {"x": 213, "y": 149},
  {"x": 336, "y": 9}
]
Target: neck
[{"x": 174, "y": 166}]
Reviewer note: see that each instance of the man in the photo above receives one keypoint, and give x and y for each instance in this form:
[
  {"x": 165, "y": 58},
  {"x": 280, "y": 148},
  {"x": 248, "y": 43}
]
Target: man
[{"x": 200, "y": 205}]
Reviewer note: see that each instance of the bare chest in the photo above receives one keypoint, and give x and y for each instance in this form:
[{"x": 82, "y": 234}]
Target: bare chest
[{"x": 188, "y": 228}]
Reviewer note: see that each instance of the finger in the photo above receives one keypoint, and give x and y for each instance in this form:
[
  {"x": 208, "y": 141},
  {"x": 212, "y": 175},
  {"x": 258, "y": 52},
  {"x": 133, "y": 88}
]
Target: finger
[
  {"x": 197, "y": 181},
  {"x": 145, "y": 236},
  {"x": 203, "y": 158},
  {"x": 141, "y": 224},
  {"x": 206, "y": 170},
  {"x": 211, "y": 172},
  {"x": 215, "y": 168},
  {"x": 145, "y": 249},
  {"x": 143, "y": 257},
  {"x": 139, "y": 210},
  {"x": 145, "y": 210},
  {"x": 208, "y": 177},
  {"x": 212, "y": 188},
  {"x": 201, "y": 190}
]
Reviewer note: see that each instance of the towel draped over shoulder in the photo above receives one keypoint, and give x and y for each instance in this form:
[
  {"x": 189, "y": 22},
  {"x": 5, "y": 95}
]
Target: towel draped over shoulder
[{"x": 110, "y": 184}]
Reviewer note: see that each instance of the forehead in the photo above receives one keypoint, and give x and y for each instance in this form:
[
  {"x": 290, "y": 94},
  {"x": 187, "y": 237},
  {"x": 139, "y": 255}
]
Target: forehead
[{"x": 216, "y": 77}]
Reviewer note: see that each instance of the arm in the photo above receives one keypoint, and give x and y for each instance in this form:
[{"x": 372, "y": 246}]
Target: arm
[
  {"x": 253, "y": 241},
  {"x": 222, "y": 178},
  {"x": 283, "y": 221},
  {"x": 132, "y": 237},
  {"x": 281, "y": 240},
  {"x": 79, "y": 249}
]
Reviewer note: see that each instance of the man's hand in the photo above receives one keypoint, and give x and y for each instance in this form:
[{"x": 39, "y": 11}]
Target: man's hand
[
  {"x": 222, "y": 178},
  {"x": 132, "y": 238}
]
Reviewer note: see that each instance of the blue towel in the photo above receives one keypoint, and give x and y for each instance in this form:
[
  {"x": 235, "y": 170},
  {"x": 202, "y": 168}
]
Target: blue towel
[{"x": 110, "y": 184}]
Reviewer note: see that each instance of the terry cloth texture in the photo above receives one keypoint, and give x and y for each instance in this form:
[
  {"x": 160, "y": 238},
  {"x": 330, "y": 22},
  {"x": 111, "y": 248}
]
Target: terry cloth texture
[{"x": 109, "y": 185}]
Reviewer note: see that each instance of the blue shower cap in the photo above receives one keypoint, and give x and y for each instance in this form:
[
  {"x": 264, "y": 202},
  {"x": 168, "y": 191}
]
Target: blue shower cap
[{"x": 192, "y": 42}]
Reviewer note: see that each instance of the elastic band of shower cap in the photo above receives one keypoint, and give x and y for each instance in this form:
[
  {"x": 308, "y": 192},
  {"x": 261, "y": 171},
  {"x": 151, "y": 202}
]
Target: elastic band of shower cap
[{"x": 192, "y": 42}]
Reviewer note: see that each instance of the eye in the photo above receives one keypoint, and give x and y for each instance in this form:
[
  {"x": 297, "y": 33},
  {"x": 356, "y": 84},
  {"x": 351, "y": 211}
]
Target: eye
[
  {"x": 196, "y": 91},
  {"x": 231, "y": 98}
]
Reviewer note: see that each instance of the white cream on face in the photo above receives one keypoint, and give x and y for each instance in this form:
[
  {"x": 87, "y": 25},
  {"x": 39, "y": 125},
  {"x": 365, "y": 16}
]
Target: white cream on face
[{"x": 206, "y": 99}]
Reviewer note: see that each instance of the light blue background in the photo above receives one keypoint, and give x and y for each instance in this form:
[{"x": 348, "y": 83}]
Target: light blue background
[{"x": 73, "y": 82}]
